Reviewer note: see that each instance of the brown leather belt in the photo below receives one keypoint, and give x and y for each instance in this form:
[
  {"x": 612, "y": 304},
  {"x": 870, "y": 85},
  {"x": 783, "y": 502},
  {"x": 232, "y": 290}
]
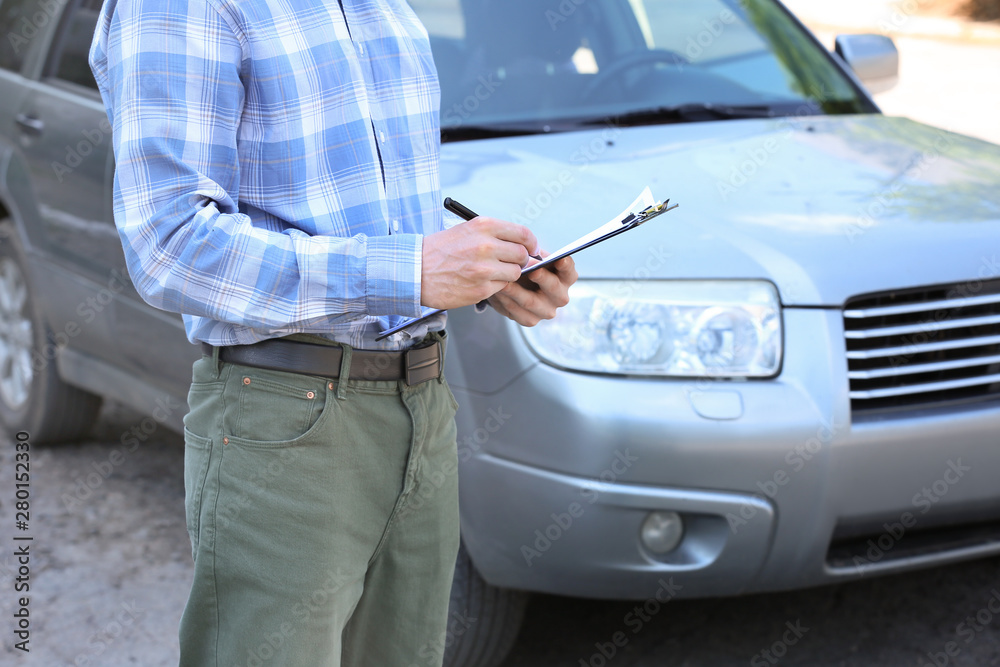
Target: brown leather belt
[{"x": 415, "y": 365}]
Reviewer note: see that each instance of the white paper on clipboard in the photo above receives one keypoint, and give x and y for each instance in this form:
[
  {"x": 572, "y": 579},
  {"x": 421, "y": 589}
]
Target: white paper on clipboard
[
  {"x": 643, "y": 208},
  {"x": 610, "y": 228}
]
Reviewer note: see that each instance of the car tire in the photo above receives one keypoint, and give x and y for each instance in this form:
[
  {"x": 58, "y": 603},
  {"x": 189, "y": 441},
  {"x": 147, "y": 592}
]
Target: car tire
[
  {"x": 490, "y": 618},
  {"x": 33, "y": 398}
]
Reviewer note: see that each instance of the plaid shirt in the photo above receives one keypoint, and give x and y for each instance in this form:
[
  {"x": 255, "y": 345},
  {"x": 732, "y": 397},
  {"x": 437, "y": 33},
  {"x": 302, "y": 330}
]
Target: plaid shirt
[{"x": 277, "y": 162}]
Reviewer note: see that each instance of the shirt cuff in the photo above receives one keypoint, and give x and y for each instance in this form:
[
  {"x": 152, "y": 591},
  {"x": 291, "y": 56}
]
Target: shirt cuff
[{"x": 393, "y": 275}]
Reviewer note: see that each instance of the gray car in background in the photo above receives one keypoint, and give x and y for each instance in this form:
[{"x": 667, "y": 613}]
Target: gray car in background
[{"x": 791, "y": 380}]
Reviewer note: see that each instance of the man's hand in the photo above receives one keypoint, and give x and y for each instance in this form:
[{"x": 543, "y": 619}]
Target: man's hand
[
  {"x": 472, "y": 261},
  {"x": 536, "y": 296}
]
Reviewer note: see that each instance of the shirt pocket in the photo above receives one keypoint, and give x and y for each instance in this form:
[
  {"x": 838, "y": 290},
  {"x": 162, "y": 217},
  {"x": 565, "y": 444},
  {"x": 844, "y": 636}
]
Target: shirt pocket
[{"x": 277, "y": 409}]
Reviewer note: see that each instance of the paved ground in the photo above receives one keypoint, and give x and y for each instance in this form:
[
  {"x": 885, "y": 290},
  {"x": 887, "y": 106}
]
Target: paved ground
[{"x": 899, "y": 621}]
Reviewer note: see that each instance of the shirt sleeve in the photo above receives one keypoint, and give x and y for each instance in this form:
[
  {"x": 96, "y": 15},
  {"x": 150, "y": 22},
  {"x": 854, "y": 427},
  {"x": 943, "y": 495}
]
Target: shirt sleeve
[{"x": 169, "y": 74}]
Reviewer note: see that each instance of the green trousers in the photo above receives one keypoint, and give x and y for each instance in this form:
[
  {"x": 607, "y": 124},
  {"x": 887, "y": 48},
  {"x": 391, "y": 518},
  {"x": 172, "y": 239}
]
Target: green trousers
[{"x": 323, "y": 517}]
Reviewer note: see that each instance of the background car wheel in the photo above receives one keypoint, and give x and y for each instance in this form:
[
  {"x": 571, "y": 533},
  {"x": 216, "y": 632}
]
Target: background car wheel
[
  {"x": 33, "y": 397},
  {"x": 498, "y": 614}
]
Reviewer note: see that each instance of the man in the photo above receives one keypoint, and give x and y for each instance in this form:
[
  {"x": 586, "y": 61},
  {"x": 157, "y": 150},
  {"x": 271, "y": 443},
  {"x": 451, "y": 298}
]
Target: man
[{"x": 277, "y": 183}]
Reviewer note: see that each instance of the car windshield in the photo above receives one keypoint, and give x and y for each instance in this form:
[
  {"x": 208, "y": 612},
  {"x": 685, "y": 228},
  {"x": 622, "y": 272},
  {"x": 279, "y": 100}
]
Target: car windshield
[{"x": 524, "y": 66}]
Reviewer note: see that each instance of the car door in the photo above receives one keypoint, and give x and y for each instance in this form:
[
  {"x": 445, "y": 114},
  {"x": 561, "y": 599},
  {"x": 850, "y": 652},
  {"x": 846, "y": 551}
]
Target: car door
[
  {"x": 72, "y": 166},
  {"x": 13, "y": 51},
  {"x": 64, "y": 137}
]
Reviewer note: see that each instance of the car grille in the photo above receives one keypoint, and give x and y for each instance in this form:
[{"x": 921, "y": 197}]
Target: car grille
[{"x": 924, "y": 347}]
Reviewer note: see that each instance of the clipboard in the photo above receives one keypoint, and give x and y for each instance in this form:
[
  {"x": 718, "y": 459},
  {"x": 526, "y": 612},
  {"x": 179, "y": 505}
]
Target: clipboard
[{"x": 640, "y": 211}]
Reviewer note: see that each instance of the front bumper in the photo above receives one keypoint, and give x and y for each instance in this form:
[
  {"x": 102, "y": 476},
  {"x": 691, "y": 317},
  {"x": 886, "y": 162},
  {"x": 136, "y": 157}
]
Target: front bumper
[{"x": 559, "y": 469}]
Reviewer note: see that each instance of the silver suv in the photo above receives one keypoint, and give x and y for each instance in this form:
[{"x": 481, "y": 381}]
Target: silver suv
[{"x": 792, "y": 380}]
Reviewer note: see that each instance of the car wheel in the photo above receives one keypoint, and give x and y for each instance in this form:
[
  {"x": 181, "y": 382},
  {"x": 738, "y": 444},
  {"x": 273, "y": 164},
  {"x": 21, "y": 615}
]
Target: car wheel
[
  {"x": 490, "y": 618},
  {"x": 33, "y": 397}
]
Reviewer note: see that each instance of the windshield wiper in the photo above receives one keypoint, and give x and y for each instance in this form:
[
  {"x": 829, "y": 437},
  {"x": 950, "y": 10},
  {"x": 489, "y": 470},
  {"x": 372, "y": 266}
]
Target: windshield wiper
[
  {"x": 683, "y": 113},
  {"x": 686, "y": 113},
  {"x": 469, "y": 132}
]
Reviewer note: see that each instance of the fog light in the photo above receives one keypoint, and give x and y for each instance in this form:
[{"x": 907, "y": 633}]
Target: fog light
[{"x": 662, "y": 531}]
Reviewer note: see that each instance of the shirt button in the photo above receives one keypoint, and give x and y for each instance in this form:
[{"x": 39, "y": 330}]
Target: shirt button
[
  {"x": 395, "y": 225},
  {"x": 361, "y": 49},
  {"x": 381, "y": 136}
]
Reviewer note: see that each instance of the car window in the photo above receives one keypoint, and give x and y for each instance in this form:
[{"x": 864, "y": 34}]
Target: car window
[
  {"x": 68, "y": 58},
  {"x": 552, "y": 63},
  {"x": 20, "y": 21}
]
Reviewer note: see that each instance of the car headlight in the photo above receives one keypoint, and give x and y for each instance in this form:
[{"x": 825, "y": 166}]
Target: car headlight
[{"x": 659, "y": 327}]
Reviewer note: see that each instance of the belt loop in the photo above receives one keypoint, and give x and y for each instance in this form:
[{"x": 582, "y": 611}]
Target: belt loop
[
  {"x": 345, "y": 371},
  {"x": 216, "y": 362},
  {"x": 442, "y": 341}
]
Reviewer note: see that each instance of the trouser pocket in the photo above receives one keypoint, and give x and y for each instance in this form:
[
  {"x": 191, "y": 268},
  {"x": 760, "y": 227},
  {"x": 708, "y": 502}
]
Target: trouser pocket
[{"x": 197, "y": 452}]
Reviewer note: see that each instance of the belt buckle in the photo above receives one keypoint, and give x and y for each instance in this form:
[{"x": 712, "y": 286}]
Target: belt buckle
[{"x": 422, "y": 363}]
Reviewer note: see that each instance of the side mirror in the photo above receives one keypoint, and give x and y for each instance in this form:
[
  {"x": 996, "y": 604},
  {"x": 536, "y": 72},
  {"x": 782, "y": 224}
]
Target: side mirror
[{"x": 873, "y": 58}]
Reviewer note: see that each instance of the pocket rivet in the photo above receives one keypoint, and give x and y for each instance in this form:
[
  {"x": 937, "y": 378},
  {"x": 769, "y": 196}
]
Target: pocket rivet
[
  {"x": 329, "y": 386},
  {"x": 246, "y": 380},
  {"x": 310, "y": 395},
  {"x": 225, "y": 441}
]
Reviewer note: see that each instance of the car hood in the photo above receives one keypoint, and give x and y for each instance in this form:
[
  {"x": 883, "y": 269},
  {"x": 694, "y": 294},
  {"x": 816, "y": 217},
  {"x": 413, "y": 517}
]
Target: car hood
[{"x": 824, "y": 207}]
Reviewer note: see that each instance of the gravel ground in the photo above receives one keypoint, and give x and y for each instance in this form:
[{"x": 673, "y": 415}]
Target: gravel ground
[
  {"x": 111, "y": 567},
  {"x": 110, "y": 559}
]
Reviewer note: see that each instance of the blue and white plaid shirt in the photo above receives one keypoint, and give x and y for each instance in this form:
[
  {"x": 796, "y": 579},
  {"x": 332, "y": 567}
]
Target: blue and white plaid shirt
[{"x": 277, "y": 162}]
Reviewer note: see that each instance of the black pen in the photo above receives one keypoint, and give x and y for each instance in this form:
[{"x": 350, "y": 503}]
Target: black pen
[
  {"x": 467, "y": 214},
  {"x": 461, "y": 211}
]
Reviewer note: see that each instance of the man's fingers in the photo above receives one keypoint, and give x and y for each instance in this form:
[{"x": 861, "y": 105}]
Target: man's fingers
[
  {"x": 536, "y": 302},
  {"x": 503, "y": 272},
  {"x": 555, "y": 279},
  {"x": 512, "y": 253},
  {"x": 513, "y": 233},
  {"x": 509, "y": 307}
]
